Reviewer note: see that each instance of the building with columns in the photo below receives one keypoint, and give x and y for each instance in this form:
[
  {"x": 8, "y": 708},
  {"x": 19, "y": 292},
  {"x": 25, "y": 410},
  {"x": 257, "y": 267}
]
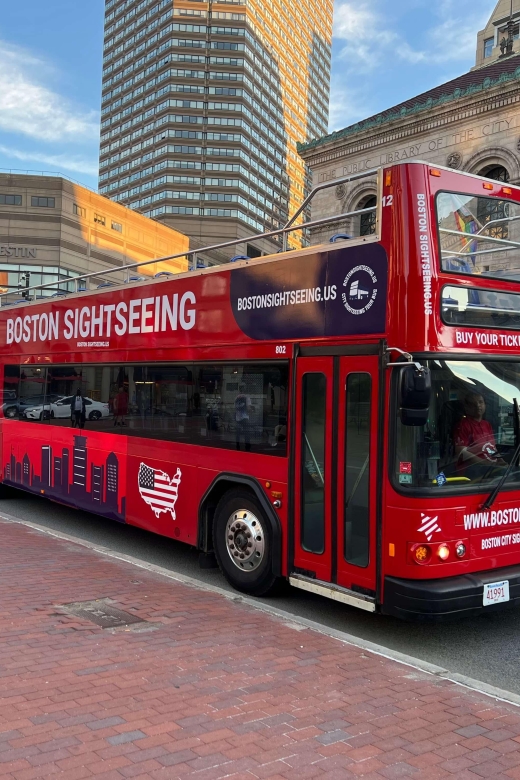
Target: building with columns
[{"x": 471, "y": 123}]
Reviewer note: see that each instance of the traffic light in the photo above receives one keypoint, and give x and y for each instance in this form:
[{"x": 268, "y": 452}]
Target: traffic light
[{"x": 25, "y": 283}]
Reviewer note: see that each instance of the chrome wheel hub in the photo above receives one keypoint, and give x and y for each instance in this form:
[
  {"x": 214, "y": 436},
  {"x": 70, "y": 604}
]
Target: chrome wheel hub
[{"x": 245, "y": 540}]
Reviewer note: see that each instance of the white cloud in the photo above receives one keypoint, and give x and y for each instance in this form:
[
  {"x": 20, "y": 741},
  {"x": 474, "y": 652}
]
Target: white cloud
[
  {"x": 375, "y": 38},
  {"x": 57, "y": 162},
  {"x": 347, "y": 105},
  {"x": 451, "y": 41},
  {"x": 368, "y": 35},
  {"x": 363, "y": 33},
  {"x": 368, "y": 38},
  {"x": 354, "y": 23},
  {"x": 453, "y": 38},
  {"x": 33, "y": 109}
]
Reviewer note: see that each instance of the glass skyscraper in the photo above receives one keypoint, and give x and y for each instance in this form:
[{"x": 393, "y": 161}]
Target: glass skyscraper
[{"x": 203, "y": 104}]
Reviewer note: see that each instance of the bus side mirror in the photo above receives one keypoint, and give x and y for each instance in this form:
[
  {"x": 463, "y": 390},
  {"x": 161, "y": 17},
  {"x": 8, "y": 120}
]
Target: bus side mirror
[{"x": 415, "y": 392}]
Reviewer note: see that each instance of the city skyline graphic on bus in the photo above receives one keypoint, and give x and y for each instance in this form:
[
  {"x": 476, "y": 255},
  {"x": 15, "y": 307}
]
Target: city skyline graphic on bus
[{"x": 55, "y": 479}]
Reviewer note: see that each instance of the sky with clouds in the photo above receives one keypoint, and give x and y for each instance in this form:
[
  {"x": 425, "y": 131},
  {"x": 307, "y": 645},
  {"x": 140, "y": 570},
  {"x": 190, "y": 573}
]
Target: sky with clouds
[{"x": 384, "y": 51}]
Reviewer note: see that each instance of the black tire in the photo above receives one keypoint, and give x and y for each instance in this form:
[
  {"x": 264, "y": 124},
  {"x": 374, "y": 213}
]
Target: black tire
[
  {"x": 11, "y": 412},
  {"x": 250, "y": 570},
  {"x": 11, "y": 491},
  {"x": 45, "y": 416},
  {"x": 95, "y": 415}
]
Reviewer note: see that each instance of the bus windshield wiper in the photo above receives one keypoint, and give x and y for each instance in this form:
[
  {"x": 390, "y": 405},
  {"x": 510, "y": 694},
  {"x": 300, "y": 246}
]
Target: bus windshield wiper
[{"x": 488, "y": 503}]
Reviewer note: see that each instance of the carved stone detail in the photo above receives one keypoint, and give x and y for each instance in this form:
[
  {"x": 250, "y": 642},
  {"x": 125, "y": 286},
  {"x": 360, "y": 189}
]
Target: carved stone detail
[{"x": 454, "y": 160}]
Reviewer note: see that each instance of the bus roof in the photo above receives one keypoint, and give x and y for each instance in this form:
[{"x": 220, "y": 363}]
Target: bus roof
[{"x": 191, "y": 255}]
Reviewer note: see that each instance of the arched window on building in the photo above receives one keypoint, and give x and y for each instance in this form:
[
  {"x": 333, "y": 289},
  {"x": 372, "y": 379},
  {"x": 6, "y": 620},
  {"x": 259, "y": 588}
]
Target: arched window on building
[
  {"x": 492, "y": 209},
  {"x": 496, "y": 172},
  {"x": 367, "y": 221}
]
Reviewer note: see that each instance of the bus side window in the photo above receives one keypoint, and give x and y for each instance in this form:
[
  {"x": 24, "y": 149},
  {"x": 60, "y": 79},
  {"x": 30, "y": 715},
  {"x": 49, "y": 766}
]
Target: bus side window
[
  {"x": 10, "y": 392},
  {"x": 234, "y": 406}
]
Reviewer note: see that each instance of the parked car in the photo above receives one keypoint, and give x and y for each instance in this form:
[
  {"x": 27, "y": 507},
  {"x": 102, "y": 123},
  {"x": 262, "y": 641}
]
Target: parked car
[
  {"x": 60, "y": 408},
  {"x": 18, "y": 406},
  {"x": 9, "y": 403}
]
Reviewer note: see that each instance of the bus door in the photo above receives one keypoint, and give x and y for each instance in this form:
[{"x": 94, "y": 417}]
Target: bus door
[{"x": 335, "y": 471}]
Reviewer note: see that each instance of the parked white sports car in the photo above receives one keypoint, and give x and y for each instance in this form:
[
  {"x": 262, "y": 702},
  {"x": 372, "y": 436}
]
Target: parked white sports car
[{"x": 95, "y": 410}]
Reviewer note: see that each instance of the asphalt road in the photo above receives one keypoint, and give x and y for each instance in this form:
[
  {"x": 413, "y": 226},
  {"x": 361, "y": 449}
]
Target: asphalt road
[{"x": 486, "y": 648}]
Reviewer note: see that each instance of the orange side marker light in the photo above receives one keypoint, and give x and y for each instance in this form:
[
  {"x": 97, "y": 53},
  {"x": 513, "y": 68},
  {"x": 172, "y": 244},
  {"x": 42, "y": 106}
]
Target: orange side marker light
[{"x": 422, "y": 553}]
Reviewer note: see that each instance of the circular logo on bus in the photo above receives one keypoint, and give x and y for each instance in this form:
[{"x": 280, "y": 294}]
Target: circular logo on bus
[{"x": 360, "y": 289}]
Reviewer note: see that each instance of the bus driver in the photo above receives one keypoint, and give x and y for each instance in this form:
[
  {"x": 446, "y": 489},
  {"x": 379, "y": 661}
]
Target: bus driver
[{"x": 474, "y": 438}]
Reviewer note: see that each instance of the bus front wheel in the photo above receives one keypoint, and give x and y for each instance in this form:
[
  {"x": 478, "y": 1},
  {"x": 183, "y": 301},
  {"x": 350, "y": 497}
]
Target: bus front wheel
[{"x": 243, "y": 543}]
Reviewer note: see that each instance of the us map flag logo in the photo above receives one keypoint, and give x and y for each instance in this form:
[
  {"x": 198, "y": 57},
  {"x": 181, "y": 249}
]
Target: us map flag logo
[
  {"x": 158, "y": 490},
  {"x": 429, "y": 525}
]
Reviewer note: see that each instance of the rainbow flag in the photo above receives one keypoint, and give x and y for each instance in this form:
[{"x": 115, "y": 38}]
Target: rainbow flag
[{"x": 467, "y": 223}]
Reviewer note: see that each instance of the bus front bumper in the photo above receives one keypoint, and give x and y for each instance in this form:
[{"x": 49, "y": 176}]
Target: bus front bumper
[{"x": 445, "y": 599}]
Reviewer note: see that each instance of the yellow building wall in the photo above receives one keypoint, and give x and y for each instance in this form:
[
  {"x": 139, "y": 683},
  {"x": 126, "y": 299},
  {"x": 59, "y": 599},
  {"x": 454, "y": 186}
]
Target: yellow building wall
[
  {"x": 291, "y": 30},
  {"x": 139, "y": 238}
]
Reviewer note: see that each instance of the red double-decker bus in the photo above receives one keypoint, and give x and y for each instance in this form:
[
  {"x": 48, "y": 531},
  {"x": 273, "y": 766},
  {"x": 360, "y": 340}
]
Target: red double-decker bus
[{"x": 344, "y": 415}]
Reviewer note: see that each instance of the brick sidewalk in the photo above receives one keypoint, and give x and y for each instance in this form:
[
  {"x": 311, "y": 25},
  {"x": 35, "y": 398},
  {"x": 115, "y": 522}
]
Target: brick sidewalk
[{"x": 209, "y": 688}]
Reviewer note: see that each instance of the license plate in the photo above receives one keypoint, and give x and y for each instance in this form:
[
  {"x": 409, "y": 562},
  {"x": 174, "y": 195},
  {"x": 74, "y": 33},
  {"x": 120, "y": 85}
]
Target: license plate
[{"x": 496, "y": 592}]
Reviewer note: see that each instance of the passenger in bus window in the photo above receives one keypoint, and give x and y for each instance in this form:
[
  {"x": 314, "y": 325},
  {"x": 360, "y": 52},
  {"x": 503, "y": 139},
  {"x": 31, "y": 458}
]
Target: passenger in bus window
[
  {"x": 280, "y": 434},
  {"x": 243, "y": 408},
  {"x": 120, "y": 407},
  {"x": 78, "y": 410},
  {"x": 475, "y": 443}
]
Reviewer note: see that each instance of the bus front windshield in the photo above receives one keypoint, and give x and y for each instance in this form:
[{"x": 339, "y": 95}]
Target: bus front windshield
[
  {"x": 479, "y": 236},
  {"x": 472, "y": 430}
]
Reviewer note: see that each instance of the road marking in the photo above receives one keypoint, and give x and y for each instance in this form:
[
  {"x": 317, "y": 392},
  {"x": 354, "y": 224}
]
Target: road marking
[{"x": 288, "y": 618}]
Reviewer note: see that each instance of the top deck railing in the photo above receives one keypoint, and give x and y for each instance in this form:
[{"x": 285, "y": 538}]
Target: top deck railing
[{"x": 81, "y": 282}]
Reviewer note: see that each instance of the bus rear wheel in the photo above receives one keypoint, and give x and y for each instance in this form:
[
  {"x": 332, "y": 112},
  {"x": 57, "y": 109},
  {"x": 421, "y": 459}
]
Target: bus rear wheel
[{"x": 243, "y": 543}]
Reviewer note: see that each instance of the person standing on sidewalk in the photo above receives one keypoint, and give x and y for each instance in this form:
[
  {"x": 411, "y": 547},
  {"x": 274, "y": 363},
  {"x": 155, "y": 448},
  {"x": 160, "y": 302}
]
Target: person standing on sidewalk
[
  {"x": 120, "y": 407},
  {"x": 243, "y": 408},
  {"x": 78, "y": 410}
]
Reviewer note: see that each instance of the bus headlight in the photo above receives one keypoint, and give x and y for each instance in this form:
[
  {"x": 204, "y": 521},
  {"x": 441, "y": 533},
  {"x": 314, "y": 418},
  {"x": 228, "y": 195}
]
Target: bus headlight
[{"x": 436, "y": 554}]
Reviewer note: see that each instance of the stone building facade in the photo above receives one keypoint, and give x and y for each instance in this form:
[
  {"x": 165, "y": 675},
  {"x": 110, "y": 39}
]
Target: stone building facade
[
  {"x": 489, "y": 39},
  {"x": 471, "y": 123}
]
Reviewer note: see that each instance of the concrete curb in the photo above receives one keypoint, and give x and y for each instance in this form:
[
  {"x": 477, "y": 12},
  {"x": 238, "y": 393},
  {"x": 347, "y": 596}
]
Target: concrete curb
[{"x": 291, "y": 621}]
